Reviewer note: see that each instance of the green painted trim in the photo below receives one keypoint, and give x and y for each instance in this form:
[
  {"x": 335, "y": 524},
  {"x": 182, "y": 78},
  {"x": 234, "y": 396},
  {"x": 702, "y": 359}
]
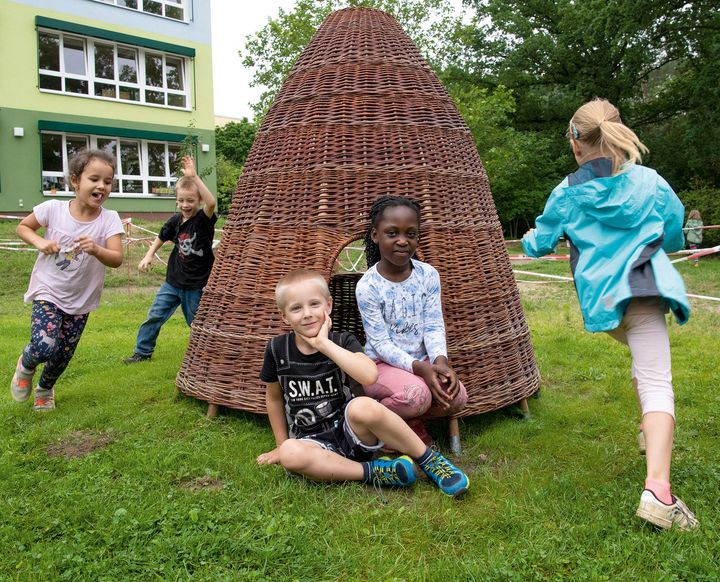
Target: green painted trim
[
  {"x": 46, "y": 125},
  {"x": 114, "y": 36}
]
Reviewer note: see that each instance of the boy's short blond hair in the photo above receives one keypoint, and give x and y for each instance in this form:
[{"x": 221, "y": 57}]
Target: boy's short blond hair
[
  {"x": 298, "y": 276},
  {"x": 187, "y": 183}
]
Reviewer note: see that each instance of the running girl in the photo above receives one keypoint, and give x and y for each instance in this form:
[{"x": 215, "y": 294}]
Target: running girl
[
  {"x": 81, "y": 238},
  {"x": 620, "y": 219}
]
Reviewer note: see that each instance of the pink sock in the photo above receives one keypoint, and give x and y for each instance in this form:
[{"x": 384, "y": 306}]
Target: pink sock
[{"x": 661, "y": 489}]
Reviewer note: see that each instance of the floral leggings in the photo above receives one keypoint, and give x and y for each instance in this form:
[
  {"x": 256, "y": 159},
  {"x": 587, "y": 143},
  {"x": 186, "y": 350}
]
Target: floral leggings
[{"x": 54, "y": 335}]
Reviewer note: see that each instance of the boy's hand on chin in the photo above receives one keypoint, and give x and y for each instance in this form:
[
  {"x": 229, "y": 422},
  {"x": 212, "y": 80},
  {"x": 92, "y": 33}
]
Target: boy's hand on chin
[{"x": 316, "y": 341}]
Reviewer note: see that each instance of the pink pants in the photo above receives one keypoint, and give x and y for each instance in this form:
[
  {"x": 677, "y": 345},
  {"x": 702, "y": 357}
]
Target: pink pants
[
  {"x": 644, "y": 331},
  {"x": 408, "y": 396}
]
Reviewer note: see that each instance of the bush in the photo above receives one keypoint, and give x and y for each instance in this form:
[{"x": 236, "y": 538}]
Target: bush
[
  {"x": 227, "y": 179},
  {"x": 707, "y": 200}
]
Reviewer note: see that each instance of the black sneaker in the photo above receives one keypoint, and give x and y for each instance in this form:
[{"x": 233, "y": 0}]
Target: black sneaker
[{"x": 135, "y": 358}]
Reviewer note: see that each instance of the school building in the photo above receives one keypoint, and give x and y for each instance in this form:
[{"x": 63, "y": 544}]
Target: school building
[{"x": 133, "y": 77}]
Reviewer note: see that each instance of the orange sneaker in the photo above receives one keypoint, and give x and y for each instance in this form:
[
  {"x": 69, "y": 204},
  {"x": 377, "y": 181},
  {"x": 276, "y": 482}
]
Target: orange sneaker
[
  {"x": 44, "y": 400},
  {"x": 21, "y": 383}
]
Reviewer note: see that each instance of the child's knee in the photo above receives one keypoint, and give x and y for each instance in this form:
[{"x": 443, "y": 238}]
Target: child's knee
[
  {"x": 43, "y": 349},
  {"x": 459, "y": 402},
  {"x": 364, "y": 411},
  {"x": 294, "y": 455},
  {"x": 414, "y": 398}
]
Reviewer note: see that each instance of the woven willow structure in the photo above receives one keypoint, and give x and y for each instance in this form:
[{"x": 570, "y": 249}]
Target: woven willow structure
[{"x": 360, "y": 115}]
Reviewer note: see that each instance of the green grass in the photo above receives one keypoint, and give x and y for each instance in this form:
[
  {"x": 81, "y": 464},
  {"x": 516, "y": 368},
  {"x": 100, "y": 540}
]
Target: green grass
[{"x": 169, "y": 494}]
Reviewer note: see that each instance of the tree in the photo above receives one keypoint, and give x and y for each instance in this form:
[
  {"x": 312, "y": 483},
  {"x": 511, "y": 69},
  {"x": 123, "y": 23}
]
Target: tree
[
  {"x": 273, "y": 50},
  {"x": 655, "y": 59},
  {"x": 228, "y": 175},
  {"x": 234, "y": 140}
]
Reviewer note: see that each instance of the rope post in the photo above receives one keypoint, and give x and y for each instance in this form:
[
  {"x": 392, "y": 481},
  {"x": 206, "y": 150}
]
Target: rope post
[{"x": 454, "y": 432}]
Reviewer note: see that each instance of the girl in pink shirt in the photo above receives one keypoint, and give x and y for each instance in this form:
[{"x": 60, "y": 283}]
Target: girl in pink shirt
[{"x": 81, "y": 238}]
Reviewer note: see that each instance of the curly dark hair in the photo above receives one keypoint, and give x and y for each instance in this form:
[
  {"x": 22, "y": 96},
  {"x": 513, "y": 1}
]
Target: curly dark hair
[
  {"x": 372, "y": 252},
  {"x": 81, "y": 159}
]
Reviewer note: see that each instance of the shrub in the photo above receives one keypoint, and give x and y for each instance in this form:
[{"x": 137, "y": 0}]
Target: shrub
[{"x": 707, "y": 200}]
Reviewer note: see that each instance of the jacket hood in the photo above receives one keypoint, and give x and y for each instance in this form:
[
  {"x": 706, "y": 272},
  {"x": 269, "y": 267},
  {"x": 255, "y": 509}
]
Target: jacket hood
[{"x": 618, "y": 201}]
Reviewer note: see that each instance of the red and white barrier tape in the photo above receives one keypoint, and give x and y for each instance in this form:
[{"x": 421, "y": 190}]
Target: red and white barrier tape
[{"x": 566, "y": 279}]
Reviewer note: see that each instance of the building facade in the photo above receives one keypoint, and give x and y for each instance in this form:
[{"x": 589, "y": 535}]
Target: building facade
[{"x": 133, "y": 77}]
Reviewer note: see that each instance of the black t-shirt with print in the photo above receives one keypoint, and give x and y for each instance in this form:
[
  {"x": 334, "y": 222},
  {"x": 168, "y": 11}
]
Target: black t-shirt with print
[
  {"x": 314, "y": 388},
  {"x": 192, "y": 258}
]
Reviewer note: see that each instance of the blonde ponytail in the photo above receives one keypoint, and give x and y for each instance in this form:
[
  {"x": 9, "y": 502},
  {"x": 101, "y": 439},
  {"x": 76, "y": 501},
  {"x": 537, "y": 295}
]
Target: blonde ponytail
[{"x": 598, "y": 124}]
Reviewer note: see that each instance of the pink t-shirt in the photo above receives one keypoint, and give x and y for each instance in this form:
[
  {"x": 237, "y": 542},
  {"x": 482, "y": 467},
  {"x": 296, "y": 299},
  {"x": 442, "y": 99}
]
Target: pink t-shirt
[{"x": 71, "y": 279}]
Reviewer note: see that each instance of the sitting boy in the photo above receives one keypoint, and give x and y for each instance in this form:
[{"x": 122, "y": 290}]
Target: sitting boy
[
  {"x": 192, "y": 230},
  {"x": 320, "y": 430}
]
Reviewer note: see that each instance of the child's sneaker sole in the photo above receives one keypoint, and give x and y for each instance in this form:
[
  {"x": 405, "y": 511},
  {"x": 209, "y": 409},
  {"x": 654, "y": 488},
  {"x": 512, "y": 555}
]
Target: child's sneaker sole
[
  {"x": 664, "y": 516},
  {"x": 21, "y": 383}
]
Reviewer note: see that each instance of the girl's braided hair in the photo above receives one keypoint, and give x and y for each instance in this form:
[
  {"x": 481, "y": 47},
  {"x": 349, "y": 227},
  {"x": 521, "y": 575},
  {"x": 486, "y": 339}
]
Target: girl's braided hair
[{"x": 372, "y": 252}]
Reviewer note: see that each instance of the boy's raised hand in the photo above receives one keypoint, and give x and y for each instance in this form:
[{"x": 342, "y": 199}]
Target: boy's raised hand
[
  {"x": 269, "y": 458},
  {"x": 188, "y": 167}
]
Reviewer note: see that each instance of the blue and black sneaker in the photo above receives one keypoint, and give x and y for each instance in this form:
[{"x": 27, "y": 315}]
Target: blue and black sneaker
[
  {"x": 389, "y": 472},
  {"x": 449, "y": 479}
]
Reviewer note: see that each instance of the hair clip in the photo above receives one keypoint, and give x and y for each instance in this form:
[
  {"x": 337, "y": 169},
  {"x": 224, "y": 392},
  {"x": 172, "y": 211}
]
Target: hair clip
[{"x": 575, "y": 132}]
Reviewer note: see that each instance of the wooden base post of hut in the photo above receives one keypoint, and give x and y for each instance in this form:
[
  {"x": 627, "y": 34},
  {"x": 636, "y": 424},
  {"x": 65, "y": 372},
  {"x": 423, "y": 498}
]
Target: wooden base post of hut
[
  {"x": 524, "y": 408},
  {"x": 454, "y": 431},
  {"x": 213, "y": 410}
]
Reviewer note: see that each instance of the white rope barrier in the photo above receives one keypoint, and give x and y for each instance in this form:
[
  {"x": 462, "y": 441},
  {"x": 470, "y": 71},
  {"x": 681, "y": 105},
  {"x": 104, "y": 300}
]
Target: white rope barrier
[{"x": 561, "y": 278}]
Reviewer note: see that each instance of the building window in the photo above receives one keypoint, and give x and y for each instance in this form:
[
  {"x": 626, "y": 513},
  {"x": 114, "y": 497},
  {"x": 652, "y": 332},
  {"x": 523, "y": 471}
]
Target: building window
[
  {"x": 145, "y": 168},
  {"x": 105, "y": 70},
  {"x": 175, "y": 9}
]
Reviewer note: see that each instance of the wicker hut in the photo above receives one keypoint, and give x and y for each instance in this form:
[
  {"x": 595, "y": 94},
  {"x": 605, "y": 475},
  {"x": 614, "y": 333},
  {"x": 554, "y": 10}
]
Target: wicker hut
[{"x": 360, "y": 115}]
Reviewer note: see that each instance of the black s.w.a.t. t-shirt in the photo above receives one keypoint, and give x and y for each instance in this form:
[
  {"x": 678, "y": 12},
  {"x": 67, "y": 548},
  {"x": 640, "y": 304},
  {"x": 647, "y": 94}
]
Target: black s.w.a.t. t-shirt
[
  {"x": 314, "y": 388},
  {"x": 192, "y": 258}
]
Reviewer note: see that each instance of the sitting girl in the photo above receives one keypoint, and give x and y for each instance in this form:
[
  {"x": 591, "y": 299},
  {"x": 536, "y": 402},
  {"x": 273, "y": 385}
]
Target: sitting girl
[{"x": 399, "y": 302}]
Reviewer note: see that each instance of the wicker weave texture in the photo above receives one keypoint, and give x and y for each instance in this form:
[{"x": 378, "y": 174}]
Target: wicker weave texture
[{"x": 361, "y": 115}]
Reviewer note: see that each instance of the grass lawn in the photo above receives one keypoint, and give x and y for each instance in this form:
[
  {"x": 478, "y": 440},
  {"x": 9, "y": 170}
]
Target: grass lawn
[{"x": 128, "y": 480}]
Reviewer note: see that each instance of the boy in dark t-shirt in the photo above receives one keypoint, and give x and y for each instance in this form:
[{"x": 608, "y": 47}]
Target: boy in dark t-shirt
[
  {"x": 192, "y": 231},
  {"x": 321, "y": 431}
]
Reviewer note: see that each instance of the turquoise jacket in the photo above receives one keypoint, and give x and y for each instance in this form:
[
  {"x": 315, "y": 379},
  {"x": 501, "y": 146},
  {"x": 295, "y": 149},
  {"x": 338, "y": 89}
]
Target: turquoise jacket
[{"x": 619, "y": 228}]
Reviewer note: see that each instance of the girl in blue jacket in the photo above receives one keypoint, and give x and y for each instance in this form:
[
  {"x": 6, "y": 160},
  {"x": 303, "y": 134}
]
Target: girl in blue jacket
[{"x": 620, "y": 219}]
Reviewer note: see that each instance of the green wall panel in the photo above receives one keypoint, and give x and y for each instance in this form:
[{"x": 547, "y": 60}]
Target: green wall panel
[{"x": 21, "y": 165}]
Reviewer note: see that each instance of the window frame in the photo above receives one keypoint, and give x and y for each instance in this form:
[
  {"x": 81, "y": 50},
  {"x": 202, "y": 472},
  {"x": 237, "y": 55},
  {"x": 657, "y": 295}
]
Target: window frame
[
  {"x": 91, "y": 79},
  {"x": 183, "y": 4},
  {"x": 120, "y": 176}
]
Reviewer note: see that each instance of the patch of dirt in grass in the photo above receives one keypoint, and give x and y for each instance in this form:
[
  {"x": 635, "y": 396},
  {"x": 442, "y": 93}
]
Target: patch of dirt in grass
[
  {"x": 79, "y": 443},
  {"x": 205, "y": 483}
]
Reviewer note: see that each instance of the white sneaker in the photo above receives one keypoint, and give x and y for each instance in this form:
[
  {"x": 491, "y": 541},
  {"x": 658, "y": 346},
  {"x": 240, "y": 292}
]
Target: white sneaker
[{"x": 663, "y": 515}]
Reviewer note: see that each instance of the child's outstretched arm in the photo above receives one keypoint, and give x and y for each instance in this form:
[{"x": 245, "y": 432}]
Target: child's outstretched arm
[
  {"x": 278, "y": 422},
  {"x": 209, "y": 203},
  {"x": 147, "y": 260},
  {"x": 543, "y": 239},
  {"x": 356, "y": 364},
  {"x": 27, "y": 231}
]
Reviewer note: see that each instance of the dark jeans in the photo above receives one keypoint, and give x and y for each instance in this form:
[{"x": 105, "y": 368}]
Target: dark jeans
[
  {"x": 166, "y": 302},
  {"x": 54, "y": 335}
]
